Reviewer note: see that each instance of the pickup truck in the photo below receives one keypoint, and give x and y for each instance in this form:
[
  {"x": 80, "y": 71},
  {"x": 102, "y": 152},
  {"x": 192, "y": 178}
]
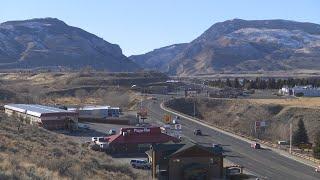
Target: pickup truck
[{"x": 101, "y": 142}]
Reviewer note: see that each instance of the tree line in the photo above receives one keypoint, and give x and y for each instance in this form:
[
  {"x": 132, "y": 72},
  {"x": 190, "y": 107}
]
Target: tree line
[{"x": 263, "y": 83}]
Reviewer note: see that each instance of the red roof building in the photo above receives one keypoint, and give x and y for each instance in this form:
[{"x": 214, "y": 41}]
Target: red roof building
[{"x": 137, "y": 139}]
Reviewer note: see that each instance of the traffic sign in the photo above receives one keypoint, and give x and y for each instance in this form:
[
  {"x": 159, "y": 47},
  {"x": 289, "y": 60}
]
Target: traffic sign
[{"x": 167, "y": 118}]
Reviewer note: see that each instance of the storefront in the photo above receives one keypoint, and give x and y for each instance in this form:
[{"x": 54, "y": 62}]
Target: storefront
[{"x": 137, "y": 139}]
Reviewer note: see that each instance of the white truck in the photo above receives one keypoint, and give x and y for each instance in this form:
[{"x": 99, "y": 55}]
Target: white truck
[{"x": 101, "y": 142}]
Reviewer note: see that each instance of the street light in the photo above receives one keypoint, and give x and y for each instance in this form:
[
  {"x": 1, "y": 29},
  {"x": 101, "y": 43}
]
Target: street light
[{"x": 290, "y": 149}]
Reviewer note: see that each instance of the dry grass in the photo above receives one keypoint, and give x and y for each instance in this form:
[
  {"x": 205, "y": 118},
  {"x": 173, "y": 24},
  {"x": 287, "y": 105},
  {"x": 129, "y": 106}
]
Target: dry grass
[
  {"x": 29, "y": 152},
  {"x": 312, "y": 102},
  {"x": 239, "y": 115},
  {"x": 75, "y": 88}
]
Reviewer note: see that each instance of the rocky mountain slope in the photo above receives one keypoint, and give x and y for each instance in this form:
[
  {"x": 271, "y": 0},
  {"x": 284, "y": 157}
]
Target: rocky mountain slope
[
  {"x": 159, "y": 59},
  {"x": 257, "y": 45},
  {"x": 50, "y": 42}
]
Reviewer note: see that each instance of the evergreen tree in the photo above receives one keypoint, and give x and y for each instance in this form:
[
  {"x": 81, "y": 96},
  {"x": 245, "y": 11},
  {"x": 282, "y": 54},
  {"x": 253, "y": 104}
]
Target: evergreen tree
[
  {"x": 228, "y": 83},
  {"x": 316, "y": 149},
  {"x": 236, "y": 83},
  {"x": 300, "y": 135}
]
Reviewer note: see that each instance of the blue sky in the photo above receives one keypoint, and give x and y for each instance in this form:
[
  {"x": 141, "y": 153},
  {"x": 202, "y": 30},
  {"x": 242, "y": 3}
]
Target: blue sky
[{"x": 139, "y": 26}]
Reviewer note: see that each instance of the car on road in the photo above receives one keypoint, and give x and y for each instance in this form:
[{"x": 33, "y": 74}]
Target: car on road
[
  {"x": 255, "y": 146},
  {"x": 197, "y": 132},
  {"x": 317, "y": 169},
  {"x": 140, "y": 164}
]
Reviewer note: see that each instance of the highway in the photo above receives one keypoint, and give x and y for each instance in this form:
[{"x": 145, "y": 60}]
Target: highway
[{"x": 263, "y": 163}]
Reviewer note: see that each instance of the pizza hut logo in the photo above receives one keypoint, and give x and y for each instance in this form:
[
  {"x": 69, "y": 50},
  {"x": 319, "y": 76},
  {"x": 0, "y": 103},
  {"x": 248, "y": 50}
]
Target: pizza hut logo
[{"x": 140, "y": 130}]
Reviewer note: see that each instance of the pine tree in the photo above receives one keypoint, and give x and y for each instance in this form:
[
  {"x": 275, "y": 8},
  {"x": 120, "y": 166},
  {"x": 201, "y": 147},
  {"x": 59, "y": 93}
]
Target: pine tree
[
  {"x": 228, "y": 83},
  {"x": 236, "y": 83},
  {"x": 316, "y": 149},
  {"x": 300, "y": 135}
]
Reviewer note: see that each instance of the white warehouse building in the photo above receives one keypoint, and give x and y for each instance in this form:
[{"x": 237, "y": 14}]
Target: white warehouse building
[
  {"x": 96, "y": 112},
  {"x": 44, "y": 116}
]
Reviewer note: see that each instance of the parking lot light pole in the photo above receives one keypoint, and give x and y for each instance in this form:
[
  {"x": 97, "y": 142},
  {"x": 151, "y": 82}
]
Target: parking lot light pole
[{"x": 194, "y": 108}]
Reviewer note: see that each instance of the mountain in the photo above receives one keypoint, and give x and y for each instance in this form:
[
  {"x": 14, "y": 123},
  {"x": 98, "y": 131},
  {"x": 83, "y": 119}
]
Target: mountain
[
  {"x": 158, "y": 59},
  {"x": 256, "y": 45},
  {"x": 50, "y": 42}
]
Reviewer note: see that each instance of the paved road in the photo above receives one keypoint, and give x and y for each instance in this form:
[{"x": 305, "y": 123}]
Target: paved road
[{"x": 265, "y": 163}]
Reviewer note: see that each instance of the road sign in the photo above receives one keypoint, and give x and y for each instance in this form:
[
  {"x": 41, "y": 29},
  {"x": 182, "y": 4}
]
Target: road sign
[
  {"x": 143, "y": 113},
  {"x": 167, "y": 118},
  {"x": 305, "y": 145},
  {"x": 260, "y": 123}
]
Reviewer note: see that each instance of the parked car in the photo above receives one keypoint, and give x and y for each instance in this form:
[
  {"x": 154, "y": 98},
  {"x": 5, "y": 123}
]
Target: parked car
[
  {"x": 217, "y": 147},
  {"x": 95, "y": 139},
  {"x": 140, "y": 164},
  {"x": 197, "y": 132},
  {"x": 317, "y": 169},
  {"x": 175, "y": 121},
  {"x": 255, "y": 146},
  {"x": 112, "y": 132},
  {"x": 83, "y": 126}
]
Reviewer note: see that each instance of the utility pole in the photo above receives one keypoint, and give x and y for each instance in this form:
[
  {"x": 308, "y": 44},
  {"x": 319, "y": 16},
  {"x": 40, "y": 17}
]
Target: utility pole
[
  {"x": 194, "y": 108},
  {"x": 290, "y": 149}
]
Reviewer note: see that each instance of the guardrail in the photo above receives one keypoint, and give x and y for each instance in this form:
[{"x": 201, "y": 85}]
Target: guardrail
[{"x": 266, "y": 143}]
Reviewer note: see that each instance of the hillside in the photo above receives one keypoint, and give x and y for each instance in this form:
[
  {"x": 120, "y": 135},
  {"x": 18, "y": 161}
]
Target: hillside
[
  {"x": 257, "y": 45},
  {"x": 51, "y": 43},
  {"x": 75, "y": 88},
  {"x": 159, "y": 59},
  {"x": 239, "y": 115},
  {"x": 28, "y": 152}
]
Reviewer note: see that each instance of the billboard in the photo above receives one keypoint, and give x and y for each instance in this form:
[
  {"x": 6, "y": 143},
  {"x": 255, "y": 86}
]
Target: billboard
[{"x": 261, "y": 123}]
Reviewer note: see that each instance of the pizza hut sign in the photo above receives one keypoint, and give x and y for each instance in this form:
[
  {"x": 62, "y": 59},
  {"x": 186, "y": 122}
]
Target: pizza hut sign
[{"x": 141, "y": 130}]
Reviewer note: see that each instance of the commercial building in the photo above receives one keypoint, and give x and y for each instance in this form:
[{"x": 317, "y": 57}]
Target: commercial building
[
  {"x": 45, "y": 116},
  {"x": 96, "y": 112},
  {"x": 185, "y": 160},
  {"x": 137, "y": 139},
  {"x": 307, "y": 91}
]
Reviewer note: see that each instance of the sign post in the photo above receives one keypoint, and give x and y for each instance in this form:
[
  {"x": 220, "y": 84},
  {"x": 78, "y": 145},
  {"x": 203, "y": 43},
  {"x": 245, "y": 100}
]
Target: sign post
[
  {"x": 167, "y": 118},
  {"x": 143, "y": 113}
]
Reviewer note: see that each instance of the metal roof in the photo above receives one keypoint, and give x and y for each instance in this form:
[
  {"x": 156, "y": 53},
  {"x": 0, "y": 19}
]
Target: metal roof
[
  {"x": 34, "y": 109},
  {"x": 89, "y": 108}
]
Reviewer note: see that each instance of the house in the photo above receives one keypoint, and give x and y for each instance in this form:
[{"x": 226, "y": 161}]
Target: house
[
  {"x": 45, "y": 116},
  {"x": 307, "y": 91},
  {"x": 185, "y": 160}
]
